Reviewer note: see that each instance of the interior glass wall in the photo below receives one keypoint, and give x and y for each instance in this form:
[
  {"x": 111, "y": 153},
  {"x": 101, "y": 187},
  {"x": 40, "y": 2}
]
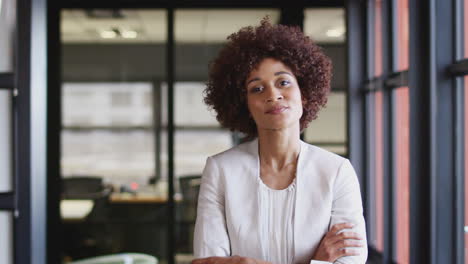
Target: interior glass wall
[
  {"x": 114, "y": 183},
  {"x": 6, "y": 139},
  {"x": 6, "y": 239},
  {"x": 7, "y": 27},
  {"x": 326, "y": 26}
]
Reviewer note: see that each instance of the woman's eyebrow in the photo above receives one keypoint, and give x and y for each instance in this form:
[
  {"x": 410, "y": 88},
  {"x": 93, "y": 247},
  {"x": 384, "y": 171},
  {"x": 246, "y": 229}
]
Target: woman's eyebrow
[
  {"x": 253, "y": 80},
  {"x": 276, "y": 74},
  {"x": 282, "y": 72}
]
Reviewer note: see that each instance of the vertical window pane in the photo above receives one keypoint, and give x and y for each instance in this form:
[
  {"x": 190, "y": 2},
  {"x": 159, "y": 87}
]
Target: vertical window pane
[
  {"x": 6, "y": 148},
  {"x": 7, "y": 28},
  {"x": 378, "y": 38},
  {"x": 401, "y": 135},
  {"x": 113, "y": 72},
  {"x": 465, "y": 27},
  {"x": 402, "y": 36},
  {"x": 376, "y": 132},
  {"x": 199, "y": 35},
  {"x": 379, "y": 173},
  {"x": 6, "y": 239},
  {"x": 401, "y": 172},
  {"x": 327, "y": 28}
]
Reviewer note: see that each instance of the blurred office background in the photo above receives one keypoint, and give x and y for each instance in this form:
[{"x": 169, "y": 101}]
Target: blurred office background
[
  {"x": 115, "y": 113},
  {"x": 104, "y": 134}
]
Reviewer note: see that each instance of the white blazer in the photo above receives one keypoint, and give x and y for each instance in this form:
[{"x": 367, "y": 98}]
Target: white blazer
[{"x": 227, "y": 218}]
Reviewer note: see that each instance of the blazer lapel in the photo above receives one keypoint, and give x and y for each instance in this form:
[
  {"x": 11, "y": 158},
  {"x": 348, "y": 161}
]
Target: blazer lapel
[{"x": 300, "y": 201}]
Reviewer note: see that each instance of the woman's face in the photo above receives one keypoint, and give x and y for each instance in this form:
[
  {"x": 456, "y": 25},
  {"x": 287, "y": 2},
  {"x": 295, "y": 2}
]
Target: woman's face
[{"x": 273, "y": 96}]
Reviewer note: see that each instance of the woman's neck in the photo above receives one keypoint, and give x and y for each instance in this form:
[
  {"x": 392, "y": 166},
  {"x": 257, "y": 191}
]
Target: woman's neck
[{"x": 278, "y": 148}]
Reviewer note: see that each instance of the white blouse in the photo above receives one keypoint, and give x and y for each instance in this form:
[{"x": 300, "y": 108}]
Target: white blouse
[{"x": 277, "y": 222}]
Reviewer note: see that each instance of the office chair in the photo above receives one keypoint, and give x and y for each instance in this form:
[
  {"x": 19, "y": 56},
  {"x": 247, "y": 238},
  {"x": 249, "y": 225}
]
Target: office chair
[
  {"x": 84, "y": 187},
  {"x": 187, "y": 211},
  {"x": 91, "y": 236}
]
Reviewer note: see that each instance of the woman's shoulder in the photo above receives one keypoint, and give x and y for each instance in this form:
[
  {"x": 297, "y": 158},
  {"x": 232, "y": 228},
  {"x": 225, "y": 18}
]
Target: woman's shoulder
[
  {"x": 242, "y": 151},
  {"x": 322, "y": 157}
]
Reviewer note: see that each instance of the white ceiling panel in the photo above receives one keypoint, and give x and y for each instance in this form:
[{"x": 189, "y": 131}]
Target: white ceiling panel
[
  {"x": 325, "y": 24},
  {"x": 191, "y": 25}
]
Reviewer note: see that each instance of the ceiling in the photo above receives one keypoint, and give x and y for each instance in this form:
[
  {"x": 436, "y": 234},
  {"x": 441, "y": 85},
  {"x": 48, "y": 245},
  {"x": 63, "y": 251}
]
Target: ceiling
[{"x": 324, "y": 25}]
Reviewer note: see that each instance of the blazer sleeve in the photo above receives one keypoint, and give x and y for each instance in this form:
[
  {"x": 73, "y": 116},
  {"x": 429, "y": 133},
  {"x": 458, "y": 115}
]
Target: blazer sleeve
[
  {"x": 347, "y": 207},
  {"x": 211, "y": 235}
]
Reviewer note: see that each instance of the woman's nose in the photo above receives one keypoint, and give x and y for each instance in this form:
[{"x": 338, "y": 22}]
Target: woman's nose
[{"x": 273, "y": 95}]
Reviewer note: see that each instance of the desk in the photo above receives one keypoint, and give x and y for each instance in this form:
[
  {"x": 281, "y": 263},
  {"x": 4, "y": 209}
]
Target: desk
[{"x": 119, "y": 198}]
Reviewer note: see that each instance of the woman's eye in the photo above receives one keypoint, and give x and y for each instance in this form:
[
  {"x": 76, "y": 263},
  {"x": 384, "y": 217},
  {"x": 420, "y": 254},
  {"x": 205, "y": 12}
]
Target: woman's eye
[
  {"x": 284, "y": 83},
  {"x": 256, "y": 89}
]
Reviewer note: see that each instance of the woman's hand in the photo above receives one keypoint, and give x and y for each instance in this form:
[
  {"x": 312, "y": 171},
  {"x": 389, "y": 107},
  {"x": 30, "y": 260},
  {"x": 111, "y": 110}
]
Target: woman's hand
[
  {"x": 225, "y": 260},
  {"x": 334, "y": 246}
]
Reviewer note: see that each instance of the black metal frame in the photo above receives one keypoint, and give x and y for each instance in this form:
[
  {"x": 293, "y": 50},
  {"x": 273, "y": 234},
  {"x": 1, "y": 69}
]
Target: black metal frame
[
  {"x": 54, "y": 115},
  {"x": 21, "y": 128},
  {"x": 388, "y": 53},
  {"x": 423, "y": 135},
  {"x": 446, "y": 135},
  {"x": 170, "y": 56},
  {"x": 459, "y": 137},
  {"x": 7, "y": 201},
  {"x": 7, "y": 80},
  {"x": 356, "y": 50},
  {"x": 459, "y": 68}
]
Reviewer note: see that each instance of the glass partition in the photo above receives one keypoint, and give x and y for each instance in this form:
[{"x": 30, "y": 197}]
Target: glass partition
[
  {"x": 6, "y": 239},
  {"x": 7, "y": 27},
  {"x": 326, "y": 26},
  {"x": 114, "y": 191},
  {"x": 6, "y": 147}
]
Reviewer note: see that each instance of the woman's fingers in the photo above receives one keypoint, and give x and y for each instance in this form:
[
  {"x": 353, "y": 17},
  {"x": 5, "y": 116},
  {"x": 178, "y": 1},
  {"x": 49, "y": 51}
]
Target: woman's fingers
[
  {"x": 209, "y": 260},
  {"x": 342, "y": 252},
  {"x": 344, "y": 243},
  {"x": 223, "y": 260},
  {"x": 338, "y": 227},
  {"x": 348, "y": 243},
  {"x": 344, "y": 235}
]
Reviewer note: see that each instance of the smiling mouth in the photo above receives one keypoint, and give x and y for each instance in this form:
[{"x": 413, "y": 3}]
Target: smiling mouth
[{"x": 277, "y": 110}]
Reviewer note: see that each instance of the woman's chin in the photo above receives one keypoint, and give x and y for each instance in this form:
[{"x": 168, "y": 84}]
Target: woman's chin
[{"x": 279, "y": 127}]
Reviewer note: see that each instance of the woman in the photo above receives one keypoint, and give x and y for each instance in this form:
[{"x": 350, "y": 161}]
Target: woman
[{"x": 275, "y": 199}]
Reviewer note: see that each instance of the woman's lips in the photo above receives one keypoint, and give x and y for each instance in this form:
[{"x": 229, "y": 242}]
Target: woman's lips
[{"x": 276, "y": 110}]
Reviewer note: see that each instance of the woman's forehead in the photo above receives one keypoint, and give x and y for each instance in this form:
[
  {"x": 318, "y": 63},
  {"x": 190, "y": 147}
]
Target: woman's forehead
[{"x": 268, "y": 66}]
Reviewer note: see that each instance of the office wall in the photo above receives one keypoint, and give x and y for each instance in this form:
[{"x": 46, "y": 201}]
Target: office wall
[{"x": 130, "y": 62}]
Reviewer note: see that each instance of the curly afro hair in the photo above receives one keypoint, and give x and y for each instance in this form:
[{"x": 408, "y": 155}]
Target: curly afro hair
[{"x": 226, "y": 92}]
